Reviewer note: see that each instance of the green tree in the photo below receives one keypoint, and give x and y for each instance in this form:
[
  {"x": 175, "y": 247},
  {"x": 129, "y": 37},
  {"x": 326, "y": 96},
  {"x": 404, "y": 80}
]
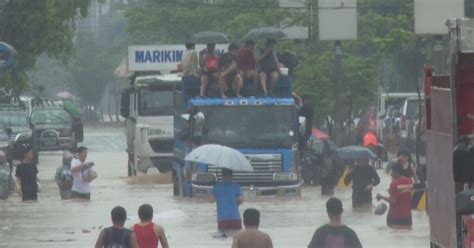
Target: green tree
[
  {"x": 35, "y": 28},
  {"x": 98, "y": 54}
]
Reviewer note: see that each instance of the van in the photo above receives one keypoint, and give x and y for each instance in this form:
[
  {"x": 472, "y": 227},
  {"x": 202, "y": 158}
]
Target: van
[{"x": 389, "y": 109}]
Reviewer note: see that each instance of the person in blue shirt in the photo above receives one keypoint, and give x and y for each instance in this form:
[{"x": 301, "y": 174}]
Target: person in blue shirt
[{"x": 228, "y": 196}]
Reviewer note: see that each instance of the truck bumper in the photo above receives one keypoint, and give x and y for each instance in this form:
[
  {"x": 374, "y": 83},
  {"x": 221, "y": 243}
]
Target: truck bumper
[{"x": 283, "y": 190}]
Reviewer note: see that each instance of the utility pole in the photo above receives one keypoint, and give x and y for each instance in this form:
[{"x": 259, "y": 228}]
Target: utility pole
[{"x": 339, "y": 92}]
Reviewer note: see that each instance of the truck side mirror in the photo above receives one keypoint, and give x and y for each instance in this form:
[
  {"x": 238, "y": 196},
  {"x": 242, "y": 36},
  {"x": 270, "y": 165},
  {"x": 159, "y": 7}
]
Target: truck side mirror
[{"x": 125, "y": 103}]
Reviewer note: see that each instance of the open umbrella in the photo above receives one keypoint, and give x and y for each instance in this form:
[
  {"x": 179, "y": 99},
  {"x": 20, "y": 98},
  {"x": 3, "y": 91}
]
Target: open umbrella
[
  {"x": 320, "y": 135},
  {"x": 206, "y": 37},
  {"x": 355, "y": 152},
  {"x": 266, "y": 33},
  {"x": 220, "y": 156}
]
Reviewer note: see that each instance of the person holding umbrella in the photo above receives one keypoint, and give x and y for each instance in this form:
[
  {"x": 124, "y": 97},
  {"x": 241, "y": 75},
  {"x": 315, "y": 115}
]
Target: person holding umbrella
[
  {"x": 228, "y": 197},
  {"x": 364, "y": 178}
]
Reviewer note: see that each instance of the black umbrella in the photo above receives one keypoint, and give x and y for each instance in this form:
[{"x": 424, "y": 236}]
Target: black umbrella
[
  {"x": 266, "y": 33},
  {"x": 206, "y": 37},
  {"x": 355, "y": 152}
]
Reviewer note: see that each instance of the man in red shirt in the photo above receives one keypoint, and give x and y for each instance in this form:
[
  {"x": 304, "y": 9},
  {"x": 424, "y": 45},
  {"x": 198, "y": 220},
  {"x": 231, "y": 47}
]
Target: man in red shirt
[
  {"x": 399, "y": 213},
  {"x": 246, "y": 61}
]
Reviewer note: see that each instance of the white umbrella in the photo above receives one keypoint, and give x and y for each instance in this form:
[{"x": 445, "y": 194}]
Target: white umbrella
[{"x": 220, "y": 156}]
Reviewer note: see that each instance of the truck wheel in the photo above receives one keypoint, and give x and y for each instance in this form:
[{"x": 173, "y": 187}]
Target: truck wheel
[
  {"x": 177, "y": 184},
  {"x": 131, "y": 169}
]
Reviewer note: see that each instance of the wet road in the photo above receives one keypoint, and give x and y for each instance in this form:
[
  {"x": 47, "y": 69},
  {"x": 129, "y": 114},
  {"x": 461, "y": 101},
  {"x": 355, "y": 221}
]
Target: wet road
[{"x": 188, "y": 222}]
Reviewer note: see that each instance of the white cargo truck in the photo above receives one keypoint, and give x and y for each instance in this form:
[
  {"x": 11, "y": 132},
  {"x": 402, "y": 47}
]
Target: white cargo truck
[{"x": 147, "y": 104}]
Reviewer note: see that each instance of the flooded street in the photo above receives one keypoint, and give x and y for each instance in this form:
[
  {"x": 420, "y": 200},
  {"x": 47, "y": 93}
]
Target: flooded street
[{"x": 187, "y": 222}]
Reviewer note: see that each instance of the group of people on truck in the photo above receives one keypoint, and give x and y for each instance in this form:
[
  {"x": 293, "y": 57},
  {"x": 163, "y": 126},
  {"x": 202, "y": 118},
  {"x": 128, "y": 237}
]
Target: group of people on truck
[{"x": 230, "y": 70}]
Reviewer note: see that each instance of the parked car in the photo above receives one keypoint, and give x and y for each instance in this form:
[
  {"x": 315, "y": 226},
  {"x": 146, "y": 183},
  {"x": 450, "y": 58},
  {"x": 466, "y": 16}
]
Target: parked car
[
  {"x": 54, "y": 128},
  {"x": 14, "y": 123}
]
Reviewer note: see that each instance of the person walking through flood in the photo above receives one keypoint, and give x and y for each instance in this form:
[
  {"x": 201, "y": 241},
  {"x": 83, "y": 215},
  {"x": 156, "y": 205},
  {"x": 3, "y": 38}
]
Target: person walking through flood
[
  {"x": 63, "y": 176},
  {"x": 251, "y": 237},
  {"x": 117, "y": 236},
  {"x": 399, "y": 213},
  {"x": 228, "y": 197},
  {"x": 330, "y": 168},
  {"x": 26, "y": 177},
  {"x": 149, "y": 234},
  {"x": 406, "y": 162},
  {"x": 334, "y": 234},
  {"x": 364, "y": 177},
  {"x": 82, "y": 174}
]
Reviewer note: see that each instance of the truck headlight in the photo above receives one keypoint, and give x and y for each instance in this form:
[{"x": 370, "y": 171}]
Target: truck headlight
[{"x": 285, "y": 176}]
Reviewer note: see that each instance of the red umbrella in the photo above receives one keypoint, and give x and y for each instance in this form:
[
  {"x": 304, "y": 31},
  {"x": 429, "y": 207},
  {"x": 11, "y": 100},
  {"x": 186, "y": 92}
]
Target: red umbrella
[{"x": 320, "y": 135}]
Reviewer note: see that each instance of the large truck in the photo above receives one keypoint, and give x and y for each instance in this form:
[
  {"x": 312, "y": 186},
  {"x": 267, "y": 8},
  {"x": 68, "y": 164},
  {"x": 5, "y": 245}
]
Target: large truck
[
  {"x": 147, "y": 104},
  {"x": 265, "y": 129},
  {"x": 449, "y": 105}
]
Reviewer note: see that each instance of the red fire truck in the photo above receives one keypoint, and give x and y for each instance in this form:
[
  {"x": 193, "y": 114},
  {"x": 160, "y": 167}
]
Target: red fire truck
[{"x": 450, "y": 142}]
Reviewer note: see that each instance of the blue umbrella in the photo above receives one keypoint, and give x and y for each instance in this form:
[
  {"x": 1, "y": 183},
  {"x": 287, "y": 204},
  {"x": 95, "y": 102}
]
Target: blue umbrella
[{"x": 355, "y": 152}]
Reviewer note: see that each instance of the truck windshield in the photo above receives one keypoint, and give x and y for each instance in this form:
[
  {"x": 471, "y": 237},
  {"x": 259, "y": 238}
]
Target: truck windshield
[
  {"x": 51, "y": 116},
  {"x": 13, "y": 119},
  {"x": 247, "y": 126},
  {"x": 153, "y": 102}
]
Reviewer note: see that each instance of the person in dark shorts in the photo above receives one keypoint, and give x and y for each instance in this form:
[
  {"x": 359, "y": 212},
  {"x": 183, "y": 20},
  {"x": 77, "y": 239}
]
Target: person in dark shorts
[
  {"x": 209, "y": 66},
  {"x": 117, "y": 236},
  {"x": 399, "y": 213},
  {"x": 228, "y": 196},
  {"x": 268, "y": 66},
  {"x": 364, "y": 177},
  {"x": 229, "y": 71},
  {"x": 247, "y": 63},
  {"x": 26, "y": 176},
  {"x": 334, "y": 234}
]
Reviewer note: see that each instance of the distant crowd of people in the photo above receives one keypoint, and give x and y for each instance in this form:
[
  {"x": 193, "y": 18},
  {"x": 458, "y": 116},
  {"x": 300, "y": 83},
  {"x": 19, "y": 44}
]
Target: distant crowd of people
[
  {"x": 73, "y": 177},
  {"x": 230, "y": 70}
]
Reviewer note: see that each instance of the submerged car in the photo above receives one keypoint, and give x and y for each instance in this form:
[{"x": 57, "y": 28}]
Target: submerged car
[{"x": 54, "y": 129}]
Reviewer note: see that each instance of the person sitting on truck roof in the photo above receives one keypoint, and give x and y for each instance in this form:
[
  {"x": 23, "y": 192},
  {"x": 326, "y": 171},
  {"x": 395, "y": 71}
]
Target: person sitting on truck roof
[
  {"x": 229, "y": 76},
  {"x": 268, "y": 66},
  {"x": 247, "y": 65},
  {"x": 190, "y": 61},
  {"x": 399, "y": 213},
  {"x": 209, "y": 64},
  {"x": 228, "y": 197}
]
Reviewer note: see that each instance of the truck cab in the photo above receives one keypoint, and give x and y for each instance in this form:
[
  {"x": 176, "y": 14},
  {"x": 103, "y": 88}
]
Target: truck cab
[
  {"x": 147, "y": 105},
  {"x": 264, "y": 129}
]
